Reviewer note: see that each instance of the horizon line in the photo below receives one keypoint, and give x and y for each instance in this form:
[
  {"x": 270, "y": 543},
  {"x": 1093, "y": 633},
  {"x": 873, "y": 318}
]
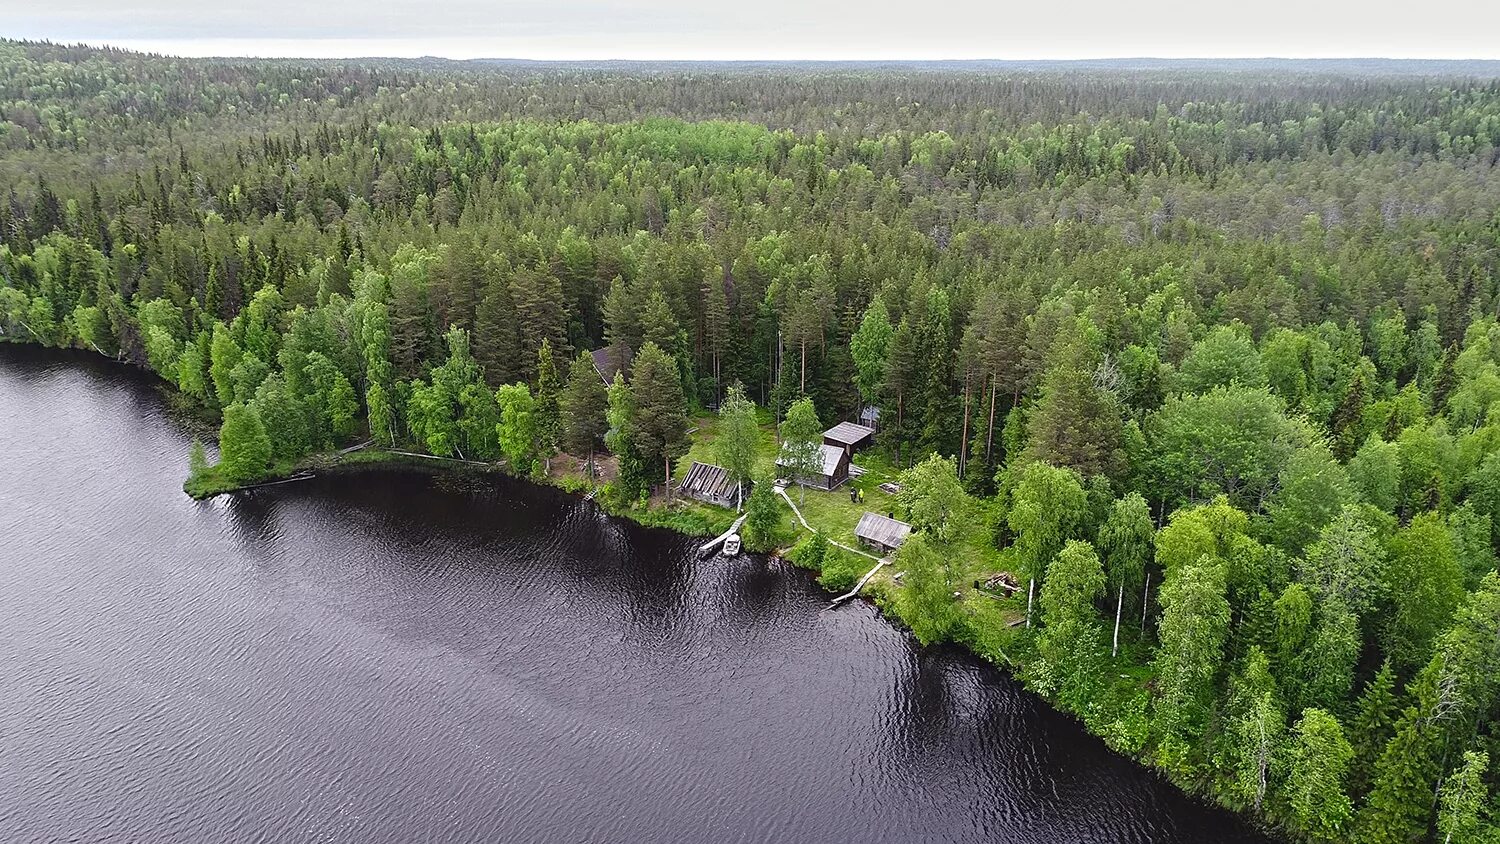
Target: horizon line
[{"x": 140, "y": 46}]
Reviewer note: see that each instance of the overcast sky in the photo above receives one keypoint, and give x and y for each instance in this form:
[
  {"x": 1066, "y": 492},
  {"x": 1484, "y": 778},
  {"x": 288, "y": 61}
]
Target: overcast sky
[{"x": 771, "y": 29}]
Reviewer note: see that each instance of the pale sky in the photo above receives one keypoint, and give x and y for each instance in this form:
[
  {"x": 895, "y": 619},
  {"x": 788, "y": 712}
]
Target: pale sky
[{"x": 771, "y": 29}]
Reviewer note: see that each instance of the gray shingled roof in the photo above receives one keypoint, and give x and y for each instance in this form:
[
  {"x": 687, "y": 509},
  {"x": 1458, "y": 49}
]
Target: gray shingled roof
[
  {"x": 848, "y": 433},
  {"x": 831, "y": 454},
  {"x": 881, "y": 530}
]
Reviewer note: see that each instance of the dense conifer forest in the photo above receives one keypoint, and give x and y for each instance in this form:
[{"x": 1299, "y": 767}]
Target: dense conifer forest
[{"x": 1212, "y": 352}]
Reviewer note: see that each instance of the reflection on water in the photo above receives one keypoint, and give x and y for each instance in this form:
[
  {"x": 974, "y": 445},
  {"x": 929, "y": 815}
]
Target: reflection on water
[{"x": 392, "y": 656}]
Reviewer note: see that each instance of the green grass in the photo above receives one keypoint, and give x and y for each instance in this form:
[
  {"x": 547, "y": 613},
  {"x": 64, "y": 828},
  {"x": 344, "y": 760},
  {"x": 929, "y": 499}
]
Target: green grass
[
  {"x": 688, "y": 517},
  {"x": 208, "y": 483},
  {"x": 701, "y": 448}
]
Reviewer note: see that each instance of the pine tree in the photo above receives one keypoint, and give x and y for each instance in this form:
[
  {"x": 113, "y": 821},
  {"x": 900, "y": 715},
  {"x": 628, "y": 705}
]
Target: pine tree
[
  {"x": 659, "y": 422},
  {"x": 658, "y": 324},
  {"x": 537, "y": 296},
  {"x": 902, "y": 381},
  {"x": 1445, "y": 381},
  {"x": 497, "y": 341},
  {"x": 716, "y": 327}
]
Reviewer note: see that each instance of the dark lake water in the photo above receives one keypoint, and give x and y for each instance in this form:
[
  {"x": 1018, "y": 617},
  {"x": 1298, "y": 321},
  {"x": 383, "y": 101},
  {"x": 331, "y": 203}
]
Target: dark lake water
[{"x": 395, "y": 657}]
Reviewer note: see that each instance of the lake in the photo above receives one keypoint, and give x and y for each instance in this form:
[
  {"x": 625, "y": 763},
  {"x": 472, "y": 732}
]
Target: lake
[{"x": 393, "y": 656}]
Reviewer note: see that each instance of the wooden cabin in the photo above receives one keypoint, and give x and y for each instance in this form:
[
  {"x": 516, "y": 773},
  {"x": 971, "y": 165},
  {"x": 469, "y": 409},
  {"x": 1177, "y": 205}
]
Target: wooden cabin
[
  {"x": 881, "y": 533},
  {"x": 834, "y": 471},
  {"x": 849, "y": 436},
  {"x": 611, "y": 360},
  {"x": 708, "y": 483}
]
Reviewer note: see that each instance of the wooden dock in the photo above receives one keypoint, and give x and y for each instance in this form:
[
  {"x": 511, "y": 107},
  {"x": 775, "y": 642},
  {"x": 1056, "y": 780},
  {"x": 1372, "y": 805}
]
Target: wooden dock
[{"x": 719, "y": 540}]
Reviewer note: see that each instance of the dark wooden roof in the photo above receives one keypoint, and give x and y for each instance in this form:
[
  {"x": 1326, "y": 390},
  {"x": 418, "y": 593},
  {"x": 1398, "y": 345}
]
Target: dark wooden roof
[
  {"x": 612, "y": 359},
  {"x": 848, "y": 433},
  {"x": 707, "y": 480},
  {"x": 881, "y": 530}
]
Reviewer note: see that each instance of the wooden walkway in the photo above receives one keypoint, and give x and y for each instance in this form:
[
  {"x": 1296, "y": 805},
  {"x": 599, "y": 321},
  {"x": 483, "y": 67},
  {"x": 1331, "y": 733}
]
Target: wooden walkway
[
  {"x": 880, "y": 562},
  {"x": 719, "y": 540},
  {"x": 860, "y": 585},
  {"x": 798, "y": 513}
]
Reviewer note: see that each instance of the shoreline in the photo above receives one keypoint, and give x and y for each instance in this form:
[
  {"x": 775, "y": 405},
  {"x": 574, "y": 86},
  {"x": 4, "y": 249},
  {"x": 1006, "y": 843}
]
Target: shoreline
[{"x": 680, "y": 521}]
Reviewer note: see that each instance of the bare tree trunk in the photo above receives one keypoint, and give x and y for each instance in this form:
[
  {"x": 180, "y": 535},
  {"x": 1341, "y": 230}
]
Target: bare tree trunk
[
  {"x": 1145, "y": 601},
  {"x": 802, "y": 346},
  {"x": 667, "y": 462},
  {"x": 1119, "y": 607},
  {"x": 1030, "y": 596}
]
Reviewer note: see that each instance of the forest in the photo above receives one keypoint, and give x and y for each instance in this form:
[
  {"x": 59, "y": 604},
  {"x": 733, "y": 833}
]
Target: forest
[{"x": 1212, "y": 352}]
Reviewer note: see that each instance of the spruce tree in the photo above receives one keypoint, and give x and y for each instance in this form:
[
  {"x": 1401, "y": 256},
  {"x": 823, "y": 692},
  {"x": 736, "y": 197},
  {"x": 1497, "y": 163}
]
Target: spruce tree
[
  {"x": 548, "y": 414},
  {"x": 583, "y": 405}
]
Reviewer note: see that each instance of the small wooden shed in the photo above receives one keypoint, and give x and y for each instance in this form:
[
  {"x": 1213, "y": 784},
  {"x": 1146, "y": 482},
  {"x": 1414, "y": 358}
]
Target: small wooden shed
[
  {"x": 849, "y": 436},
  {"x": 881, "y": 533},
  {"x": 833, "y": 472},
  {"x": 708, "y": 483}
]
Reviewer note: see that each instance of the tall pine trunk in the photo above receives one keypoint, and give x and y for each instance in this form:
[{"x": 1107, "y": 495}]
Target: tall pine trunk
[
  {"x": 963, "y": 438},
  {"x": 989, "y": 437}
]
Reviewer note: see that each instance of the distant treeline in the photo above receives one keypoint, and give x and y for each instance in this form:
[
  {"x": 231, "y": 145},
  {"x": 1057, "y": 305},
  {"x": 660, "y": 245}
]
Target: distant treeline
[{"x": 1221, "y": 345}]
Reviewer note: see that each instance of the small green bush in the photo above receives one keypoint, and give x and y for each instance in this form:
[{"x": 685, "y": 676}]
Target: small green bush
[{"x": 841, "y": 570}]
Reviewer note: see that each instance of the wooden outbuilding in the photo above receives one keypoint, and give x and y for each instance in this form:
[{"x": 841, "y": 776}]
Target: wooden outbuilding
[
  {"x": 834, "y": 469},
  {"x": 708, "y": 483},
  {"x": 881, "y": 533},
  {"x": 849, "y": 436},
  {"x": 611, "y": 360}
]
